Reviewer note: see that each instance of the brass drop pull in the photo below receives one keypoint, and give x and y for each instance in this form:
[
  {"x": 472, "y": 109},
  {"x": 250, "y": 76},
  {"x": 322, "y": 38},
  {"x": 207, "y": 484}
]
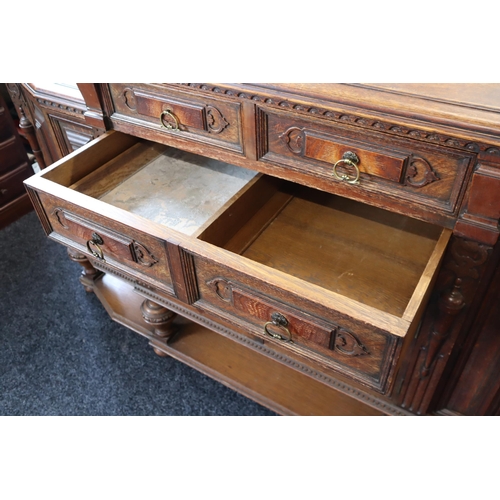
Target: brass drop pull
[
  {"x": 168, "y": 124},
  {"x": 279, "y": 321},
  {"x": 351, "y": 159},
  {"x": 93, "y": 246}
]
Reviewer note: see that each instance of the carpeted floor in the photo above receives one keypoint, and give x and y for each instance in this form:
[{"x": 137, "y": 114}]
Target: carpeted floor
[{"x": 61, "y": 354}]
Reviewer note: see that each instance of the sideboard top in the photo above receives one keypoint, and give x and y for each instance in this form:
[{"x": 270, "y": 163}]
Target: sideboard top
[{"x": 472, "y": 107}]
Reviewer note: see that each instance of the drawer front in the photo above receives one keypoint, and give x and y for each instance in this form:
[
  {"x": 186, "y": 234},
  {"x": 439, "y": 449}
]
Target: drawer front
[
  {"x": 108, "y": 242},
  {"x": 415, "y": 172},
  {"x": 9, "y": 155},
  {"x": 11, "y": 184},
  {"x": 179, "y": 114},
  {"x": 291, "y": 325}
]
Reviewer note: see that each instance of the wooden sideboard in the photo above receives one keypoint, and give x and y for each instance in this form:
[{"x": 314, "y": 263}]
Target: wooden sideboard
[{"x": 324, "y": 249}]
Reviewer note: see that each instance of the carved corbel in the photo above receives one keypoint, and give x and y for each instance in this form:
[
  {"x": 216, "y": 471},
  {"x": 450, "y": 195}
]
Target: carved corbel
[{"x": 458, "y": 281}]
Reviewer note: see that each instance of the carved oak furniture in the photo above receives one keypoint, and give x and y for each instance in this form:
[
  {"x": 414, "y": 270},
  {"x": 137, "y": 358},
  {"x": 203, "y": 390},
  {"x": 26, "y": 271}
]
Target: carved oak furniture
[
  {"x": 54, "y": 118},
  {"x": 324, "y": 249}
]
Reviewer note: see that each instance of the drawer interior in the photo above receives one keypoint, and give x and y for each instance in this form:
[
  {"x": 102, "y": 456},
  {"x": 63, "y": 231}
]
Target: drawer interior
[
  {"x": 177, "y": 189},
  {"x": 367, "y": 254},
  {"x": 372, "y": 256}
]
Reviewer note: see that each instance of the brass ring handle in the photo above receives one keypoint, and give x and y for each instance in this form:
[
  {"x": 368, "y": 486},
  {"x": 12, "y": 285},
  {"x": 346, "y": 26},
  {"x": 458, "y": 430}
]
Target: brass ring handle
[
  {"x": 168, "y": 125},
  {"x": 279, "y": 321},
  {"x": 351, "y": 159},
  {"x": 93, "y": 246}
]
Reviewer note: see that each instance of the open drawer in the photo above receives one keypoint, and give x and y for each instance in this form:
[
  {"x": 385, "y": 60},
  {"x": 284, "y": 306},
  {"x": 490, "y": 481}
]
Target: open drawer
[{"x": 327, "y": 282}]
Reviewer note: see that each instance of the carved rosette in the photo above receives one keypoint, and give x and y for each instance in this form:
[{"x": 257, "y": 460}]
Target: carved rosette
[
  {"x": 419, "y": 173},
  {"x": 216, "y": 122},
  {"x": 346, "y": 343}
]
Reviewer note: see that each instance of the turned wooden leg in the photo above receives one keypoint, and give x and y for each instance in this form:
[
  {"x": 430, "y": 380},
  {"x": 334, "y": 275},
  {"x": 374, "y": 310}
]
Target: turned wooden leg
[
  {"x": 26, "y": 129},
  {"x": 161, "y": 318},
  {"x": 89, "y": 272}
]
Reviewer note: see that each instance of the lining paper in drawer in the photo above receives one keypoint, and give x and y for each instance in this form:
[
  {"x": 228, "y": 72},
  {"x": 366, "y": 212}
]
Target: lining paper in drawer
[{"x": 179, "y": 190}]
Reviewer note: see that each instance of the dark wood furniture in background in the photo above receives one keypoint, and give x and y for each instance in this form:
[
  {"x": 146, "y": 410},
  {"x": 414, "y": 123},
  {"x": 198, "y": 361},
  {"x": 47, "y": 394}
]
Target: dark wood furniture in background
[
  {"x": 323, "y": 249},
  {"x": 53, "y": 119},
  {"x": 15, "y": 167}
]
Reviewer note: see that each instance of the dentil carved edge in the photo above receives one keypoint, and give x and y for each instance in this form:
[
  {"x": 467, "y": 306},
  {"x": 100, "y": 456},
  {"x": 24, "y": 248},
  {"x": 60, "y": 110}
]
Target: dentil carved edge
[{"x": 353, "y": 119}]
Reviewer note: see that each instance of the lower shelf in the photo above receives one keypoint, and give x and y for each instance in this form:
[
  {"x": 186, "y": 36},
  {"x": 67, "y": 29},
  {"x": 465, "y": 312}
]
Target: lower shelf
[{"x": 262, "y": 379}]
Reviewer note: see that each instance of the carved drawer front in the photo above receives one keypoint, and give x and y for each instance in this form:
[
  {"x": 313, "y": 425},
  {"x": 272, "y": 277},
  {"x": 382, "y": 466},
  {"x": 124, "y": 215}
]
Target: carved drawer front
[
  {"x": 178, "y": 115},
  {"x": 109, "y": 248},
  {"x": 343, "y": 275},
  {"x": 368, "y": 161},
  {"x": 365, "y": 355},
  {"x": 125, "y": 203}
]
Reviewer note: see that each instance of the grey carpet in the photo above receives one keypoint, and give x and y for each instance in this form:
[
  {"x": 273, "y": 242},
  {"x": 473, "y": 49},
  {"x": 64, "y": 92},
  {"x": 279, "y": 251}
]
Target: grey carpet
[{"x": 61, "y": 354}]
